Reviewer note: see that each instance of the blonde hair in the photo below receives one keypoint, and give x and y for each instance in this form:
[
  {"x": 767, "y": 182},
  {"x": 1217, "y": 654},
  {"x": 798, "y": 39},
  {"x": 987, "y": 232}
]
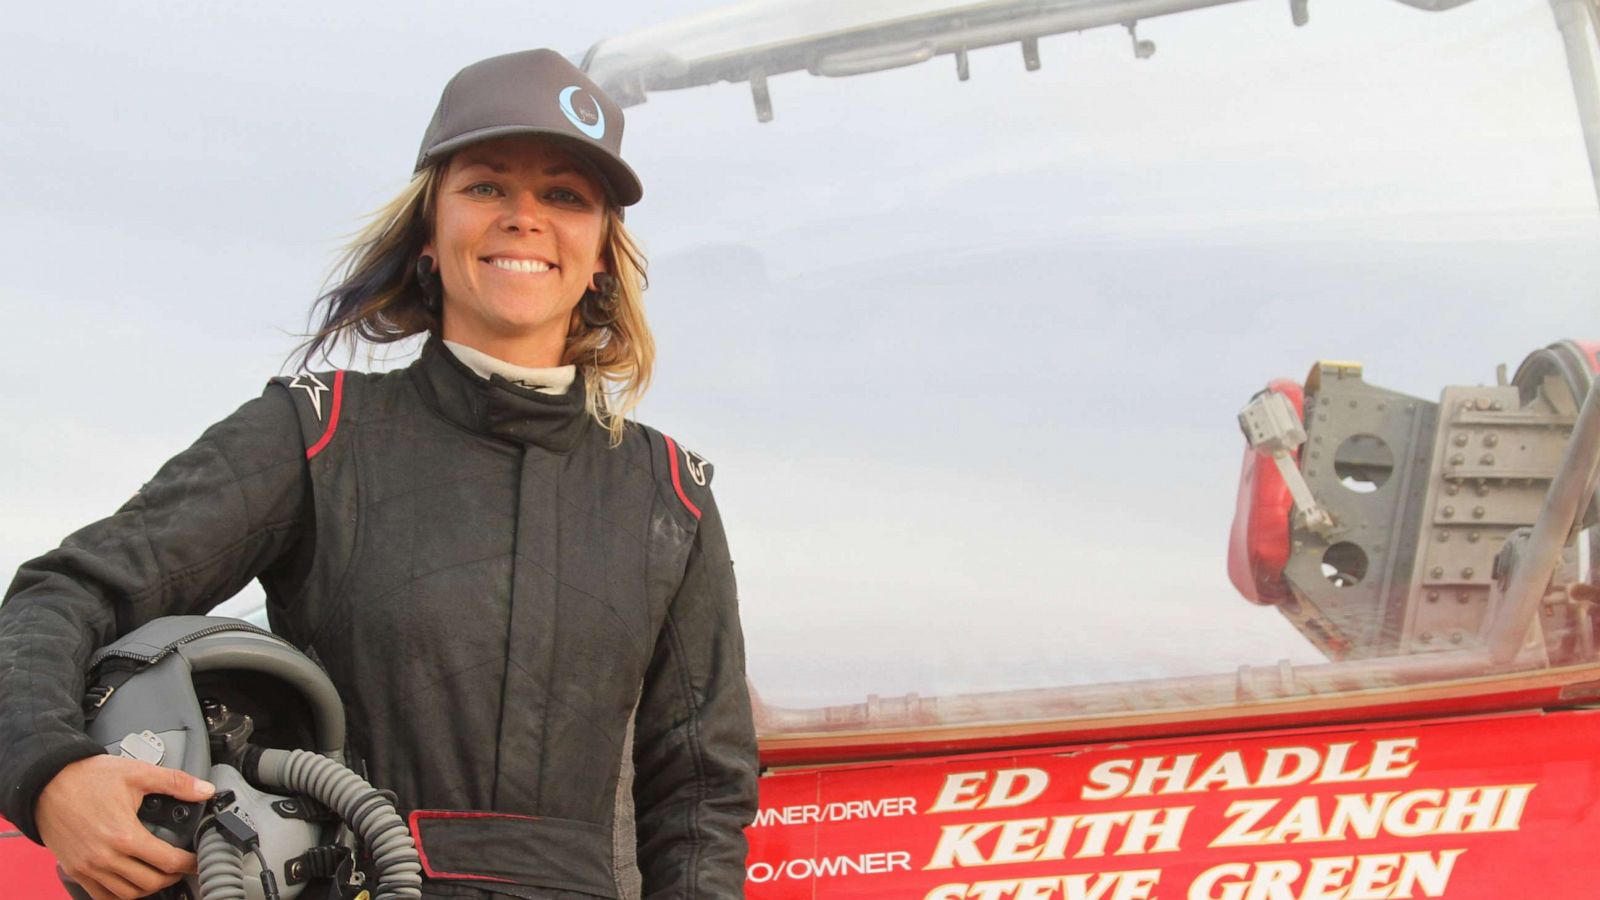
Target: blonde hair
[
  {"x": 376, "y": 298},
  {"x": 617, "y": 359}
]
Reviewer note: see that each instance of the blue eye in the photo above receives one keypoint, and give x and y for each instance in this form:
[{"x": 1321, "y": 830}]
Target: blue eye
[
  {"x": 566, "y": 195},
  {"x": 483, "y": 189}
]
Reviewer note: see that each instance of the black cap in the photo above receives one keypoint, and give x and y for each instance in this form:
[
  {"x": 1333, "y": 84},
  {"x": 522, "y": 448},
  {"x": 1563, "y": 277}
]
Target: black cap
[{"x": 532, "y": 92}]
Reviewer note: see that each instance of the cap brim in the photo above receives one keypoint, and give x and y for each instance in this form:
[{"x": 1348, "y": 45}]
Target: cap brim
[{"x": 626, "y": 189}]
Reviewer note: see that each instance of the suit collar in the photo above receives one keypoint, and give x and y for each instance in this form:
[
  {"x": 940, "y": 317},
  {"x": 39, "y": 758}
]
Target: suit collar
[{"x": 498, "y": 407}]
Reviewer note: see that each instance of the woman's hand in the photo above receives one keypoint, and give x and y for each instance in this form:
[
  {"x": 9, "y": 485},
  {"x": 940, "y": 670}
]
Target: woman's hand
[{"x": 88, "y": 816}]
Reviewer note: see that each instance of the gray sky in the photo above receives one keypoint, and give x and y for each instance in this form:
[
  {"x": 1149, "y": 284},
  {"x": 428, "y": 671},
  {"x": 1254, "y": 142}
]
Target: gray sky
[{"x": 966, "y": 355}]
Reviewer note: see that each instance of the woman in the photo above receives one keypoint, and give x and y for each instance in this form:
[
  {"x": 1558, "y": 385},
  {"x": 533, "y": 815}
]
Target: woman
[{"x": 494, "y": 566}]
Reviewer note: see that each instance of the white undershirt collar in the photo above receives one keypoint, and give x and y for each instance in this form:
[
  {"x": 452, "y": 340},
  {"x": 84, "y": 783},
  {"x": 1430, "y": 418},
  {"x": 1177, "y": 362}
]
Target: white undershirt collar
[{"x": 552, "y": 380}]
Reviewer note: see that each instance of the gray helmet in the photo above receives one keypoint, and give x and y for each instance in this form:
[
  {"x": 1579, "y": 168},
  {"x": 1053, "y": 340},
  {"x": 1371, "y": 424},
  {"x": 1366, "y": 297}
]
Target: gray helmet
[
  {"x": 155, "y": 678},
  {"x": 228, "y": 702}
]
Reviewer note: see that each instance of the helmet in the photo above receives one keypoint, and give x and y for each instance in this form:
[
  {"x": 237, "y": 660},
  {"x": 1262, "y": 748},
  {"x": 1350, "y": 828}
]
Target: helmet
[{"x": 241, "y": 707}]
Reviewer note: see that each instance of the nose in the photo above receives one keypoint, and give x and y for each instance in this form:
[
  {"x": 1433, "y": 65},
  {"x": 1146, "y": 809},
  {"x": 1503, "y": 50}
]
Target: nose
[{"x": 523, "y": 212}]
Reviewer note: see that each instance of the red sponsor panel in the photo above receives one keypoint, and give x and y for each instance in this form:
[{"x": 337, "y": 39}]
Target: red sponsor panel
[
  {"x": 28, "y": 869},
  {"x": 1490, "y": 807}
]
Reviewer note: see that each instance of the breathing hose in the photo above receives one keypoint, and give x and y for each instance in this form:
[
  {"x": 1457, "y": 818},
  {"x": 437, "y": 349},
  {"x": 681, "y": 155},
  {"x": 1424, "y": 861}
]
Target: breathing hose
[
  {"x": 368, "y": 813},
  {"x": 221, "y": 868}
]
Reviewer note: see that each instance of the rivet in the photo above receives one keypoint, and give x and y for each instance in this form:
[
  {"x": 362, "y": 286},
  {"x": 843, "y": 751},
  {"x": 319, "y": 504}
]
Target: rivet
[
  {"x": 1472, "y": 537},
  {"x": 1452, "y": 488},
  {"x": 1487, "y": 459},
  {"x": 1437, "y": 572},
  {"x": 1316, "y": 454},
  {"x": 1496, "y": 405},
  {"x": 1477, "y": 512},
  {"x": 1448, "y": 512},
  {"x": 1460, "y": 440},
  {"x": 1427, "y": 637},
  {"x": 1457, "y": 459},
  {"x": 1444, "y": 537},
  {"x": 1352, "y": 404},
  {"x": 1490, "y": 440},
  {"x": 1463, "y": 597},
  {"x": 1466, "y": 572},
  {"x": 1433, "y": 596},
  {"x": 1455, "y": 637},
  {"x": 1483, "y": 489}
]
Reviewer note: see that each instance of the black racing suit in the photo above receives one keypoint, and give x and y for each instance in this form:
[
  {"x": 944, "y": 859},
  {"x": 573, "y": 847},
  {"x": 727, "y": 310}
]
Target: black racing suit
[{"x": 491, "y": 586}]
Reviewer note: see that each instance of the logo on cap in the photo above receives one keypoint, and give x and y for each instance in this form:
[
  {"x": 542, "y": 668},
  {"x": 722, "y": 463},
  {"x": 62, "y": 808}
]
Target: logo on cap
[{"x": 589, "y": 119}]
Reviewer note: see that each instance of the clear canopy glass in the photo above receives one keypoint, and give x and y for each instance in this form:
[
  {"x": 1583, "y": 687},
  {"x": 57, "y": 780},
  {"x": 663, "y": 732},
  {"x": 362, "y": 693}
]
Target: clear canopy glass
[{"x": 967, "y": 340}]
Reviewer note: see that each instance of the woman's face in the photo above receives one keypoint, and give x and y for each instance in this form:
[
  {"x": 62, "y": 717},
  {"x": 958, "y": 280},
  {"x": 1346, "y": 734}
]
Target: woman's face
[{"x": 516, "y": 236}]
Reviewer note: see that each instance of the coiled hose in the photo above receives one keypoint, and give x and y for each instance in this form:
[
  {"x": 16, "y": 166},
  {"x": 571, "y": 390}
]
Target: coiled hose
[
  {"x": 368, "y": 813},
  {"x": 221, "y": 868}
]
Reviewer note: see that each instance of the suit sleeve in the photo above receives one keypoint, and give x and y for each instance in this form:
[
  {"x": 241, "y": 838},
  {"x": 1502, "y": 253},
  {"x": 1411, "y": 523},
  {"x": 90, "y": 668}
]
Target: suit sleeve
[
  {"x": 695, "y": 751},
  {"x": 214, "y": 517}
]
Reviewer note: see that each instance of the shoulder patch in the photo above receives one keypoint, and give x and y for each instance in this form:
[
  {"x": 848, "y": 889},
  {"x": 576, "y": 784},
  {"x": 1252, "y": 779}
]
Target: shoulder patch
[
  {"x": 687, "y": 468},
  {"x": 318, "y": 397}
]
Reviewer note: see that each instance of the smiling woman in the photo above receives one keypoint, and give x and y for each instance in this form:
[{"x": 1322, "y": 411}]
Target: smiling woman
[
  {"x": 455, "y": 254},
  {"x": 518, "y": 232},
  {"x": 503, "y": 576}
]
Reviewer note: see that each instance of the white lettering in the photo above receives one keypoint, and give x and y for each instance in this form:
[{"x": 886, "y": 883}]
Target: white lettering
[
  {"x": 1109, "y": 780},
  {"x": 1006, "y": 792},
  {"x": 1376, "y": 877},
  {"x": 806, "y": 869},
  {"x": 841, "y": 811},
  {"x": 961, "y": 791},
  {"x": 1248, "y": 813}
]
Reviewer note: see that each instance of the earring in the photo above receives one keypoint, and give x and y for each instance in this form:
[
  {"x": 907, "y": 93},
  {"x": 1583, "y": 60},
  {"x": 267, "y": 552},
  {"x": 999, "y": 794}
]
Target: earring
[
  {"x": 598, "y": 308},
  {"x": 428, "y": 282}
]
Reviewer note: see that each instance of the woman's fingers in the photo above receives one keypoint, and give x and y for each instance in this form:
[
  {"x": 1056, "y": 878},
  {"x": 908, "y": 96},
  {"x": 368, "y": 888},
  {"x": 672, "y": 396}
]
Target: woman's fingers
[
  {"x": 87, "y": 816},
  {"x": 146, "y": 878},
  {"x": 117, "y": 887},
  {"x": 150, "y": 851},
  {"x": 122, "y": 867},
  {"x": 173, "y": 782},
  {"x": 90, "y": 886}
]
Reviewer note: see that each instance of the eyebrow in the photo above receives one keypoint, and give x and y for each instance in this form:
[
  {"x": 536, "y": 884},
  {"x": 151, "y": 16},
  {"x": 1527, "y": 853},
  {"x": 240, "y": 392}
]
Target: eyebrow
[{"x": 502, "y": 168}]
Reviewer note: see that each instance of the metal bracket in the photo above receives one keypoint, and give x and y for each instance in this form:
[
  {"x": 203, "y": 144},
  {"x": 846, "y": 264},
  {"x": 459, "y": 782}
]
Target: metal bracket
[
  {"x": 304, "y": 809},
  {"x": 1272, "y": 427},
  {"x": 762, "y": 96},
  {"x": 329, "y": 861},
  {"x": 1030, "y": 54},
  {"x": 1141, "y": 49}
]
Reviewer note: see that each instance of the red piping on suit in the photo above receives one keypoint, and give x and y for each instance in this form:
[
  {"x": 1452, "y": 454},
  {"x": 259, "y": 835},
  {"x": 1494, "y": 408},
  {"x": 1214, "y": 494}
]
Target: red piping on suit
[
  {"x": 333, "y": 416},
  {"x": 417, "y": 815},
  {"x": 677, "y": 482}
]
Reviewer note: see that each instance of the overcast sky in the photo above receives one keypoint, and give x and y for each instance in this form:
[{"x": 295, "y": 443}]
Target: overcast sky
[{"x": 967, "y": 355}]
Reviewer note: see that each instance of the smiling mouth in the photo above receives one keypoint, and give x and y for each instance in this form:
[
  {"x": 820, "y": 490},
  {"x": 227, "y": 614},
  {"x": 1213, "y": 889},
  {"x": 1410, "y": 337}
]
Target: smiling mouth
[{"x": 525, "y": 266}]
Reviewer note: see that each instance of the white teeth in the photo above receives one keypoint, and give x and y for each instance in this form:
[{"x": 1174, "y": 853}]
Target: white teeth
[{"x": 519, "y": 265}]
